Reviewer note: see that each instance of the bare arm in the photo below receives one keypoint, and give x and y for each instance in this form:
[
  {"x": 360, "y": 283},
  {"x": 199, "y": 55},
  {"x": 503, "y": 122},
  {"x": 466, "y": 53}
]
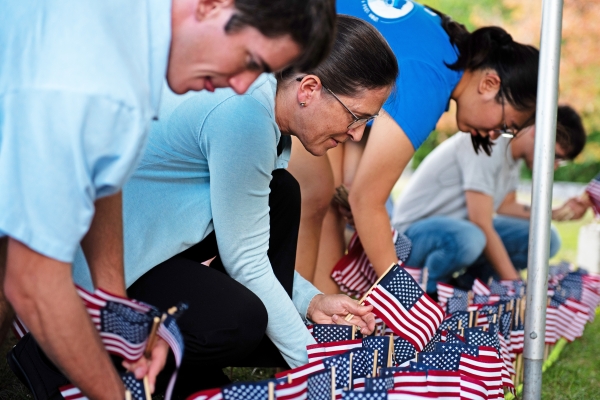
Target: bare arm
[
  {"x": 573, "y": 208},
  {"x": 42, "y": 293},
  {"x": 387, "y": 153},
  {"x": 480, "y": 208},
  {"x": 103, "y": 245}
]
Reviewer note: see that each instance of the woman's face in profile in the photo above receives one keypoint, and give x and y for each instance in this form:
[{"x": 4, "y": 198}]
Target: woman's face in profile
[{"x": 326, "y": 121}]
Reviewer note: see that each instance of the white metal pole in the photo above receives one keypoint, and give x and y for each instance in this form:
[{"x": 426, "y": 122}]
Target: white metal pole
[{"x": 543, "y": 174}]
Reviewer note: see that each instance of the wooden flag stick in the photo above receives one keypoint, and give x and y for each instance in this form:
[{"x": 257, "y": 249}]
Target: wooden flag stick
[
  {"x": 271, "y": 388},
  {"x": 470, "y": 319},
  {"x": 459, "y": 325},
  {"x": 424, "y": 278},
  {"x": 350, "y": 372},
  {"x": 390, "y": 351},
  {"x": 362, "y": 299},
  {"x": 289, "y": 378},
  {"x": 332, "y": 383},
  {"x": 147, "y": 388},
  {"x": 127, "y": 395},
  {"x": 152, "y": 337},
  {"x": 375, "y": 354},
  {"x": 353, "y": 332}
]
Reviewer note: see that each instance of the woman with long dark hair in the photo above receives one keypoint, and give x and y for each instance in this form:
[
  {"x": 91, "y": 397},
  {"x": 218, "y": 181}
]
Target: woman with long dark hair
[{"x": 491, "y": 78}]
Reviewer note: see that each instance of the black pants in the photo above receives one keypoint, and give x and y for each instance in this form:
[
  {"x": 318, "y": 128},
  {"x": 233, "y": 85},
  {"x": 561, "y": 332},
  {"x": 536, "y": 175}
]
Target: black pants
[{"x": 225, "y": 323}]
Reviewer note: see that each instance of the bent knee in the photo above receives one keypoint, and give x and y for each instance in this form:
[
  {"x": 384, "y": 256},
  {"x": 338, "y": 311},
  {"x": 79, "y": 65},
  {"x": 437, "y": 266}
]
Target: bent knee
[
  {"x": 470, "y": 245},
  {"x": 555, "y": 241}
]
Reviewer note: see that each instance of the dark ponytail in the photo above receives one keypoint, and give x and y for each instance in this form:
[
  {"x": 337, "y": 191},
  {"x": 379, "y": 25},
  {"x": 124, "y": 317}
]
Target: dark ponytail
[
  {"x": 494, "y": 48},
  {"x": 360, "y": 59}
]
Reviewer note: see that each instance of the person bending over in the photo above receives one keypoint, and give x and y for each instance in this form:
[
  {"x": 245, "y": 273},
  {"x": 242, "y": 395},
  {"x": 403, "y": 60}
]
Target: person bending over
[
  {"x": 491, "y": 78},
  {"x": 460, "y": 203},
  {"x": 79, "y": 83},
  {"x": 212, "y": 183}
]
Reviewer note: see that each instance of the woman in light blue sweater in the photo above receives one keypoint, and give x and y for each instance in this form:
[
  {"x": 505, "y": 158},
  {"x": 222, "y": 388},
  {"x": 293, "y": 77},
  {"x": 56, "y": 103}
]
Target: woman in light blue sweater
[{"x": 212, "y": 183}]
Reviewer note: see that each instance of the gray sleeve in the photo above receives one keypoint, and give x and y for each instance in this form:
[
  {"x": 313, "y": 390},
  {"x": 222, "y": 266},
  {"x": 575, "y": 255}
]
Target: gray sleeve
[{"x": 479, "y": 171}]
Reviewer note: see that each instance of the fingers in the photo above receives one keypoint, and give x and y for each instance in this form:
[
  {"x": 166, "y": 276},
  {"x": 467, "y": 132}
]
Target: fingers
[
  {"x": 139, "y": 368},
  {"x": 159, "y": 358}
]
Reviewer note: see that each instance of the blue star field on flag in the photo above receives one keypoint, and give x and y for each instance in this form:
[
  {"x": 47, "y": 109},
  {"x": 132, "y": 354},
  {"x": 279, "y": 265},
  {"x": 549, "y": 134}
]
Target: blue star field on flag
[
  {"x": 379, "y": 383},
  {"x": 443, "y": 361},
  {"x": 319, "y": 386},
  {"x": 455, "y": 304},
  {"x": 326, "y": 333},
  {"x": 458, "y": 348},
  {"x": 364, "y": 395},
  {"x": 381, "y": 344},
  {"x": 342, "y": 369},
  {"x": 403, "y": 350},
  {"x": 246, "y": 390},
  {"x": 362, "y": 362}
]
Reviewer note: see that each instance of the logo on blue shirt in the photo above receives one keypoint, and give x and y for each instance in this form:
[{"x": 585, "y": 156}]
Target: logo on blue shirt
[{"x": 387, "y": 10}]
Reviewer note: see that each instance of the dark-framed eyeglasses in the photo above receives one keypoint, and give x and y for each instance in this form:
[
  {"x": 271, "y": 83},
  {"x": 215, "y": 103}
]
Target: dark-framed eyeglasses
[
  {"x": 357, "y": 121},
  {"x": 505, "y": 130}
]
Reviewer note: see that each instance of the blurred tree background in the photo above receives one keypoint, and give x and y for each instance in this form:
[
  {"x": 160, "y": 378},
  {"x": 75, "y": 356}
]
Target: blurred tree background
[{"x": 579, "y": 84}]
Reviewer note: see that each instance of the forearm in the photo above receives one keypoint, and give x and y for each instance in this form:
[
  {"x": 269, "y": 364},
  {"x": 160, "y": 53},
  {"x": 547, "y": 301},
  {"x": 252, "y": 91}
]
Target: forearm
[
  {"x": 43, "y": 295},
  {"x": 375, "y": 232},
  {"x": 103, "y": 245},
  {"x": 497, "y": 255},
  {"x": 516, "y": 210},
  {"x": 6, "y": 311}
]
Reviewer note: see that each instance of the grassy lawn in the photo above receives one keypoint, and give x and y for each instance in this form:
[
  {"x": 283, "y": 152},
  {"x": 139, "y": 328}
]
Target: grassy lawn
[{"x": 574, "y": 376}]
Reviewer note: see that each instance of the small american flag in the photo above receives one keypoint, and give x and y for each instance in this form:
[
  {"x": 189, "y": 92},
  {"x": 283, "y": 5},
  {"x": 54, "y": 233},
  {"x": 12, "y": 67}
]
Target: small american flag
[
  {"x": 484, "y": 368},
  {"x": 403, "y": 350},
  {"x": 445, "y": 291},
  {"x": 593, "y": 191},
  {"x": 457, "y": 303},
  {"x": 401, "y": 303},
  {"x": 123, "y": 324},
  {"x": 443, "y": 361},
  {"x": 472, "y": 388},
  {"x": 354, "y": 272},
  {"x": 382, "y": 345},
  {"x": 444, "y": 384},
  {"x": 379, "y": 383}
]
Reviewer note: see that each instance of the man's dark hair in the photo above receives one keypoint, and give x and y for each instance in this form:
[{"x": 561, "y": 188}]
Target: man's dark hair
[
  {"x": 492, "y": 47},
  {"x": 570, "y": 133},
  {"x": 360, "y": 59},
  {"x": 310, "y": 23}
]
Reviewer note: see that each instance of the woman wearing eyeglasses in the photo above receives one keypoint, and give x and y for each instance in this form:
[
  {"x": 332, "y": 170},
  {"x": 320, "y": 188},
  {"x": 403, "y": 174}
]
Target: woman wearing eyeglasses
[
  {"x": 493, "y": 82},
  {"x": 212, "y": 184},
  {"x": 460, "y": 208}
]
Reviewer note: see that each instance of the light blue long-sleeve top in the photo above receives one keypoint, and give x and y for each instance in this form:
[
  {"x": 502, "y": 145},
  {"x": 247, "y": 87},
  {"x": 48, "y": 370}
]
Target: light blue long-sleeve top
[
  {"x": 208, "y": 167},
  {"x": 80, "y": 81}
]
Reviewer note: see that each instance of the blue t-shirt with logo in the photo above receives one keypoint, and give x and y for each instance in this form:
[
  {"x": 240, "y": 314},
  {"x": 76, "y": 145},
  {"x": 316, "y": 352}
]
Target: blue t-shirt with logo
[{"x": 423, "y": 49}]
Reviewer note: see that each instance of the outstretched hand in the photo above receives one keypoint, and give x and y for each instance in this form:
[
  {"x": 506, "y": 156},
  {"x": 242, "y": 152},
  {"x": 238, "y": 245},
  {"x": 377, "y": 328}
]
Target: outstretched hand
[
  {"x": 332, "y": 308},
  {"x": 150, "y": 367}
]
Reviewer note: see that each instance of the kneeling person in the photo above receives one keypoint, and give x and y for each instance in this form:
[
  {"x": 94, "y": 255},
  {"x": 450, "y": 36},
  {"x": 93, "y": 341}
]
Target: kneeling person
[{"x": 448, "y": 208}]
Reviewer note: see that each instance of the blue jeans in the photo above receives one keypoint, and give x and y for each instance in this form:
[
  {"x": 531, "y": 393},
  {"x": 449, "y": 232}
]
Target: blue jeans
[
  {"x": 448, "y": 245},
  {"x": 443, "y": 245},
  {"x": 514, "y": 233}
]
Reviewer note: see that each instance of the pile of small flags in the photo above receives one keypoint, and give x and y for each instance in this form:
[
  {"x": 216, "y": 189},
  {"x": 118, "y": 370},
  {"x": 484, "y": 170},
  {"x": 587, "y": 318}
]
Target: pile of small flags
[{"x": 467, "y": 346}]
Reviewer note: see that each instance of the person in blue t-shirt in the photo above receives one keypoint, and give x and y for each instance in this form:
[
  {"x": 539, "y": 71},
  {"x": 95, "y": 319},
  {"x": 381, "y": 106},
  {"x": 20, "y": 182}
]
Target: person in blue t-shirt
[
  {"x": 491, "y": 78},
  {"x": 212, "y": 183},
  {"x": 80, "y": 82}
]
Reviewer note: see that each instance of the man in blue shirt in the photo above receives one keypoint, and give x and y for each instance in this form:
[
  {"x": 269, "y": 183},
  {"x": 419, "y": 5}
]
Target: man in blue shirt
[{"x": 79, "y": 83}]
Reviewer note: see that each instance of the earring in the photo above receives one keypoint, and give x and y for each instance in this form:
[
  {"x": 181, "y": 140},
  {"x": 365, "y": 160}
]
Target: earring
[{"x": 302, "y": 104}]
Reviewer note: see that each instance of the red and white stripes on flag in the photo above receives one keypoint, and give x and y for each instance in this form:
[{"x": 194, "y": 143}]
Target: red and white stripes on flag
[
  {"x": 302, "y": 371},
  {"x": 486, "y": 369},
  {"x": 444, "y": 292},
  {"x": 319, "y": 351},
  {"x": 70, "y": 392},
  {"x": 210, "y": 394},
  {"x": 593, "y": 191},
  {"x": 401, "y": 303},
  {"x": 295, "y": 390},
  {"x": 445, "y": 384},
  {"x": 481, "y": 288}
]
